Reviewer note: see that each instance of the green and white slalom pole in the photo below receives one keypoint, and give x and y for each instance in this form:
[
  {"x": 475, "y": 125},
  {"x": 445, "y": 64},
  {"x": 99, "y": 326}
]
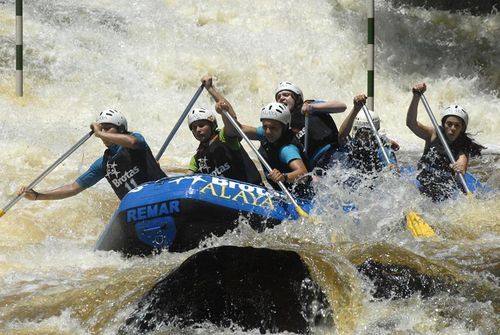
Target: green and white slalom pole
[
  {"x": 371, "y": 54},
  {"x": 19, "y": 48}
]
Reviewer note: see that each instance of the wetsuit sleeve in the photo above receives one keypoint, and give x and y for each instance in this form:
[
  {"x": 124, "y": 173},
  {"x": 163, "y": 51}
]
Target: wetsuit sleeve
[
  {"x": 289, "y": 153},
  {"x": 260, "y": 133},
  {"x": 193, "y": 165},
  {"x": 92, "y": 175},
  {"x": 232, "y": 142},
  {"x": 141, "y": 142}
]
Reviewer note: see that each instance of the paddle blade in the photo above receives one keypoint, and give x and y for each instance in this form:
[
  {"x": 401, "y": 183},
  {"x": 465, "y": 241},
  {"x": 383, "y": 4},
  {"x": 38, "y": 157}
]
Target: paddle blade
[
  {"x": 417, "y": 226},
  {"x": 2, "y": 212},
  {"x": 302, "y": 213}
]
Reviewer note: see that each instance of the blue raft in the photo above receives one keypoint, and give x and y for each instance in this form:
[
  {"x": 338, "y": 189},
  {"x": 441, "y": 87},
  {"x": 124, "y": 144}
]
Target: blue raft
[
  {"x": 474, "y": 185},
  {"x": 177, "y": 213}
]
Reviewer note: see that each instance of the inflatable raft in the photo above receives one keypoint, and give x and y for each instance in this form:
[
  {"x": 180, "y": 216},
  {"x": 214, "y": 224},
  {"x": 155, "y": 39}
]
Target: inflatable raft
[
  {"x": 178, "y": 213},
  {"x": 474, "y": 185}
]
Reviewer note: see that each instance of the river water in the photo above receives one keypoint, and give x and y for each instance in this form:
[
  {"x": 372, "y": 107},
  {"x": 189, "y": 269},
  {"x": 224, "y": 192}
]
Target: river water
[{"x": 145, "y": 58}]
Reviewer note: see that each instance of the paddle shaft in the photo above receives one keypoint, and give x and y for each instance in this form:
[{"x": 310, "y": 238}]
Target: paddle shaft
[
  {"x": 306, "y": 135},
  {"x": 415, "y": 223},
  {"x": 261, "y": 159},
  {"x": 443, "y": 141},
  {"x": 179, "y": 122},
  {"x": 306, "y": 126},
  {"x": 375, "y": 132},
  {"x": 47, "y": 171}
]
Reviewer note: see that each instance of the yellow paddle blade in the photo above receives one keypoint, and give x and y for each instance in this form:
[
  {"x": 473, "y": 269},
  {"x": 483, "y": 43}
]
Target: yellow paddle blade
[
  {"x": 304, "y": 214},
  {"x": 1, "y": 212},
  {"x": 301, "y": 212},
  {"x": 417, "y": 226}
]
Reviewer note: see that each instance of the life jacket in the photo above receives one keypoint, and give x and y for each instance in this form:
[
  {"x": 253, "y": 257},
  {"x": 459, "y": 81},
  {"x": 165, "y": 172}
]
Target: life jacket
[
  {"x": 367, "y": 156},
  {"x": 130, "y": 168},
  {"x": 436, "y": 177},
  {"x": 270, "y": 153},
  {"x": 218, "y": 159},
  {"x": 322, "y": 131}
]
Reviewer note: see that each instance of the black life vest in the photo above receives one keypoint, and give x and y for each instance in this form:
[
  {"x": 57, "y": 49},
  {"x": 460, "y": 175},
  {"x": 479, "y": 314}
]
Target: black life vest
[
  {"x": 322, "y": 131},
  {"x": 218, "y": 159},
  {"x": 130, "y": 168},
  {"x": 270, "y": 153},
  {"x": 364, "y": 154},
  {"x": 436, "y": 177}
]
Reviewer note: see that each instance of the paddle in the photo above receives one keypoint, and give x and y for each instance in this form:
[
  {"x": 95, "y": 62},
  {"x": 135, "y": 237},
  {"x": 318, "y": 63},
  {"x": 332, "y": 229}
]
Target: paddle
[
  {"x": 376, "y": 134},
  {"x": 179, "y": 122},
  {"x": 299, "y": 210},
  {"x": 307, "y": 115},
  {"x": 443, "y": 141},
  {"x": 47, "y": 171},
  {"x": 306, "y": 136},
  {"x": 414, "y": 223}
]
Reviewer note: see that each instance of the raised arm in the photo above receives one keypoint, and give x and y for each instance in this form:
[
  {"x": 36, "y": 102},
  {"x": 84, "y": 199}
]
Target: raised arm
[
  {"x": 208, "y": 82},
  {"x": 346, "y": 126},
  {"x": 250, "y": 131},
  {"x": 229, "y": 129},
  {"x": 332, "y": 106},
  {"x": 424, "y": 132},
  {"x": 125, "y": 140}
]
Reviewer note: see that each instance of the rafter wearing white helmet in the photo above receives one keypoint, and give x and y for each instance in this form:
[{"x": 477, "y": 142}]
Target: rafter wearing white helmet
[
  {"x": 114, "y": 117},
  {"x": 362, "y": 122},
  {"x": 288, "y": 86},
  {"x": 197, "y": 114},
  {"x": 458, "y": 111},
  {"x": 276, "y": 111}
]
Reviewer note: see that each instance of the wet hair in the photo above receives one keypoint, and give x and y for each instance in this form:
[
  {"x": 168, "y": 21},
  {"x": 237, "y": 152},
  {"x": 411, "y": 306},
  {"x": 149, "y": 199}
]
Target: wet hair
[
  {"x": 298, "y": 121},
  {"x": 465, "y": 141},
  {"x": 468, "y": 144}
]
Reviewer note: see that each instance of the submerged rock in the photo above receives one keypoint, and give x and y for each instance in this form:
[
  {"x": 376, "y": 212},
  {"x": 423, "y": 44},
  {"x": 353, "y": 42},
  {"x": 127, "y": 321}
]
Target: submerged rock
[
  {"x": 269, "y": 290},
  {"x": 397, "y": 282},
  {"x": 398, "y": 273}
]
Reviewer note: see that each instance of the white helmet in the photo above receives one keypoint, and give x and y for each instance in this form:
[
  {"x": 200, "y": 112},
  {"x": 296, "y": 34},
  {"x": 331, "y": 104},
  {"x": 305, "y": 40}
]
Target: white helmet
[
  {"x": 288, "y": 86},
  {"x": 361, "y": 122},
  {"x": 276, "y": 111},
  {"x": 458, "y": 111},
  {"x": 114, "y": 117},
  {"x": 201, "y": 114}
]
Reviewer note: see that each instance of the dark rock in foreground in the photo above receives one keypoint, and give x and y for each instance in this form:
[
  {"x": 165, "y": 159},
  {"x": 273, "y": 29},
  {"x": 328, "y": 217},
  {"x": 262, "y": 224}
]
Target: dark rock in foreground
[{"x": 269, "y": 290}]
